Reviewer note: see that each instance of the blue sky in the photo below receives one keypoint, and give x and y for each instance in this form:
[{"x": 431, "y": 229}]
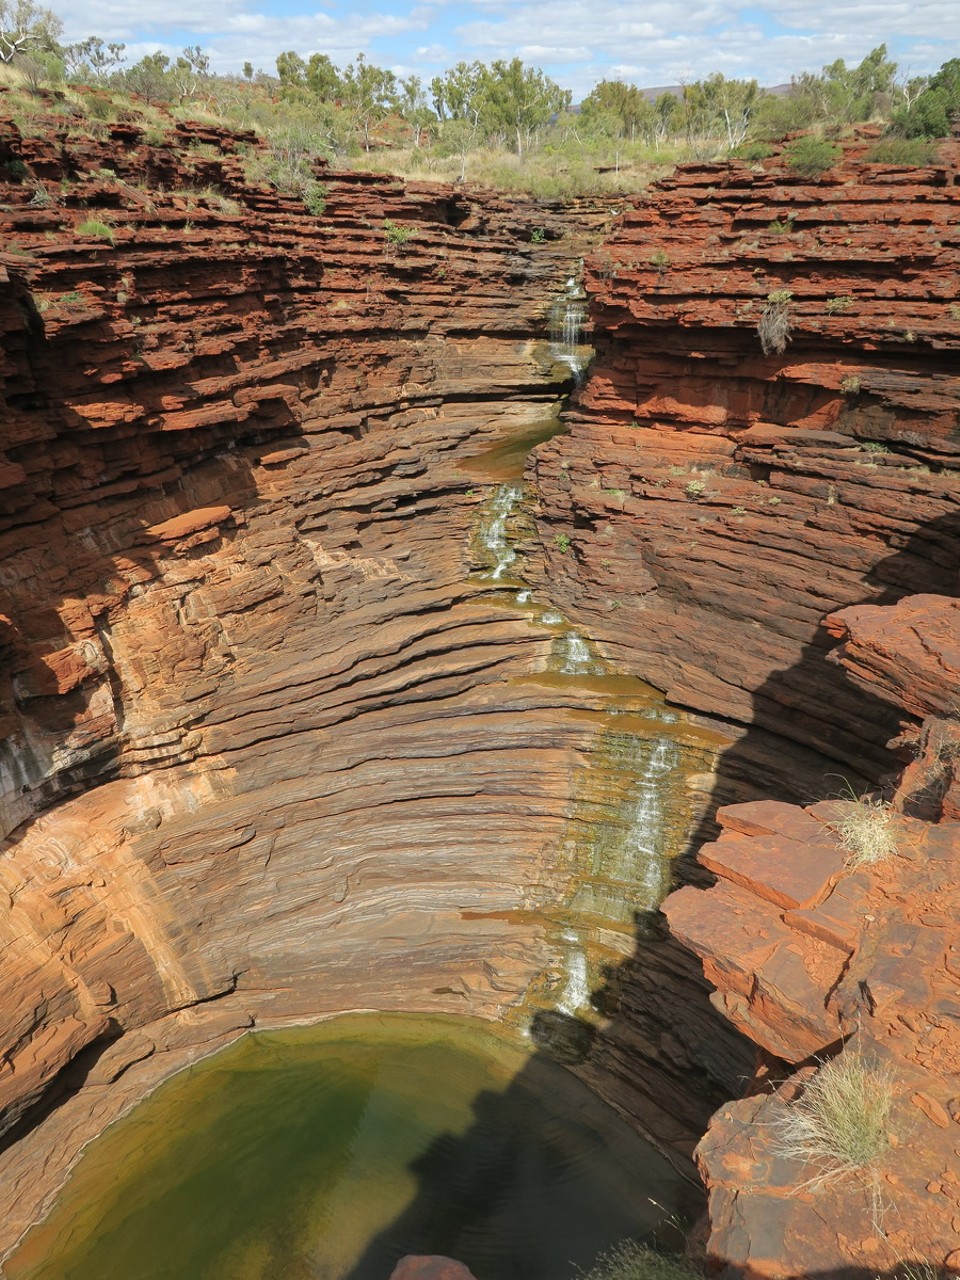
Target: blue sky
[{"x": 577, "y": 42}]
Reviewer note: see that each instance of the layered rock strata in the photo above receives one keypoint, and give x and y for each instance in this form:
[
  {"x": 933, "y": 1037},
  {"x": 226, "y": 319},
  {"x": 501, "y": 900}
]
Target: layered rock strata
[
  {"x": 721, "y": 504},
  {"x": 720, "y": 501},
  {"x": 812, "y": 956},
  {"x": 273, "y": 748},
  {"x": 272, "y": 751}
]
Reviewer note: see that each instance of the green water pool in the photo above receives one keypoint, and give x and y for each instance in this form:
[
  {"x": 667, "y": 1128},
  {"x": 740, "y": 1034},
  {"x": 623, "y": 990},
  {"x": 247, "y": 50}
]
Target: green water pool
[{"x": 327, "y": 1152}]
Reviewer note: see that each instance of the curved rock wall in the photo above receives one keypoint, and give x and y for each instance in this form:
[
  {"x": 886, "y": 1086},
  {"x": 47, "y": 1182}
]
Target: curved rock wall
[
  {"x": 720, "y": 504},
  {"x": 271, "y": 749}
]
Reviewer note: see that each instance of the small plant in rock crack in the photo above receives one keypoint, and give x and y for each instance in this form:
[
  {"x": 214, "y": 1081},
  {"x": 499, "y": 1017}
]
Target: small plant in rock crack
[
  {"x": 96, "y": 230},
  {"x": 395, "y": 234},
  {"x": 774, "y": 324},
  {"x": 562, "y": 542}
]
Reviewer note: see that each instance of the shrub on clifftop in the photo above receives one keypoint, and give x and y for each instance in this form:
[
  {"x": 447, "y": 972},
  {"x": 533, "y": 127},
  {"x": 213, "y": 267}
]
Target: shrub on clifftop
[
  {"x": 811, "y": 157},
  {"x": 866, "y": 830}
]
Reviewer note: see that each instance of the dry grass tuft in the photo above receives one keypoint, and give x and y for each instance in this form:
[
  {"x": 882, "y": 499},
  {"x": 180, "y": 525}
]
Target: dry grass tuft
[
  {"x": 841, "y": 1122},
  {"x": 867, "y": 831},
  {"x": 631, "y": 1261}
]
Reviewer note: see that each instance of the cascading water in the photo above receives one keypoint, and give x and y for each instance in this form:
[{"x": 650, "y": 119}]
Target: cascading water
[
  {"x": 629, "y": 825},
  {"x": 645, "y": 843},
  {"x": 492, "y": 534},
  {"x": 576, "y": 991},
  {"x": 572, "y": 655},
  {"x": 630, "y": 810},
  {"x": 566, "y": 324}
]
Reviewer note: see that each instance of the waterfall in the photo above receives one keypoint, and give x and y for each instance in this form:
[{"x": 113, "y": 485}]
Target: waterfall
[
  {"x": 630, "y": 809},
  {"x": 566, "y": 323},
  {"x": 645, "y": 860},
  {"x": 493, "y": 529},
  {"x": 576, "y": 992},
  {"x": 572, "y": 656}
]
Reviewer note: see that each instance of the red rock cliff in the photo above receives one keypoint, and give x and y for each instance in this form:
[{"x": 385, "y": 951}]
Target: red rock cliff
[
  {"x": 258, "y": 716},
  {"x": 270, "y": 750},
  {"x": 720, "y": 503}
]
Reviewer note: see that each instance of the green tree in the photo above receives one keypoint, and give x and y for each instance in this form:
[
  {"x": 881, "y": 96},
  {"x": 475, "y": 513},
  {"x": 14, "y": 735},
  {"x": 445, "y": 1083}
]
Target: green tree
[
  {"x": 521, "y": 100},
  {"x": 931, "y": 113},
  {"x": 324, "y": 79},
  {"x": 459, "y": 98},
  {"x": 292, "y": 70},
  {"x": 457, "y": 138},
  {"x": 666, "y": 111},
  {"x": 369, "y": 93},
  {"x": 189, "y": 71},
  {"x": 26, "y": 27},
  {"x": 92, "y": 58},
  {"x": 150, "y": 76},
  {"x": 414, "y": 108},
  {"x": 718, "y": 110},
  {"x": 844, "y": 95},
  {"x": 622, "y": 107},
  {"x": 459, "y": 93}
]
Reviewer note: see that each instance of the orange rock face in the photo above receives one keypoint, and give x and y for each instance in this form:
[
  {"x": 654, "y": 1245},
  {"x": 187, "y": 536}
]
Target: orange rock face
[
  {"x": 864, "y": 954},
  {"x": 272, "y": 747},
  {"x": 719, "y": 501},
  {"x": 271, "y": 750}
]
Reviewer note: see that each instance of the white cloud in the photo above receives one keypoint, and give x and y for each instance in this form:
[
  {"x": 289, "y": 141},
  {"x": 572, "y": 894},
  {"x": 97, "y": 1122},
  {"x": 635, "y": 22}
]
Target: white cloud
[{"x": 575, "y": 42}]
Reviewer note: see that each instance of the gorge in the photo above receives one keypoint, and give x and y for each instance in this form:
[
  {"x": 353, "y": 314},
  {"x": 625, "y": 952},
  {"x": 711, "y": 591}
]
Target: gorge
[{"x": 331, "y": 646}]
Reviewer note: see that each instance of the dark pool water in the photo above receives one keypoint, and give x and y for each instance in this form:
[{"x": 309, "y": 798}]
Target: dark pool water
[{"x": 327, "y": 1152}]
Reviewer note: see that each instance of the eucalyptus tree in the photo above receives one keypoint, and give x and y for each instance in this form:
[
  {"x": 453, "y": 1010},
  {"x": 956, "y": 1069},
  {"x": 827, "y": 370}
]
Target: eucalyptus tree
[
  {"x": 460, "y": 93},
  {"x": 323, "y": 78},
  {"x": 460, "y": 100},
  {"x": 292, "y": 71},
  {"x": 935, "y": 108},
  {"x": 190, "y": 71},
  {"x": 369, "y": 94},
  {"x": 150, "y": 76},
  {"x": 520, "y": 101},
  {"x": 25, "y": 28},
  {"x": 413, "y": 106},
  {"x": 93, "y": 58},
  {"x": 718, "y": 109},
  {"x": 838, "y": 95},
  {"x": 666, "y": 110},
  {"x": 617, "y": 110}
]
